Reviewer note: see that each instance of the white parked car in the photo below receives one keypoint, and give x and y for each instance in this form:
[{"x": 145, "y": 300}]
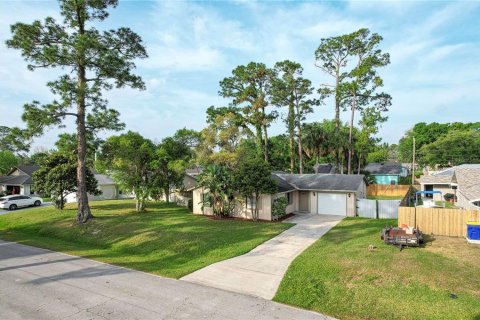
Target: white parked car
[{"x": 19, "y": 201}]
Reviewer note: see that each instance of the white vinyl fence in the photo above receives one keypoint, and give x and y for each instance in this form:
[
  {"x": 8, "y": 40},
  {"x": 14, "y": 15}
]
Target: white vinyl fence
[{"x": 381, "y": 209}]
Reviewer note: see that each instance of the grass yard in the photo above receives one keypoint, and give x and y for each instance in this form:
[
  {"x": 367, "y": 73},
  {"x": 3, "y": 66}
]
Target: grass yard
[
  {"x": 385, "y": 197},
  {"x": 167, "y": 240},
  {"x": 340, "y": 277}
]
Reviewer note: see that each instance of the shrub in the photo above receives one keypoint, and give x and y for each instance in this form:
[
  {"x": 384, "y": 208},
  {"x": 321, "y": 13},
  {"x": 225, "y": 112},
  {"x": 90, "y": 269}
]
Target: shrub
[
  {"x": 449, "y": 196},
  {"x": 279, "y": 207}
]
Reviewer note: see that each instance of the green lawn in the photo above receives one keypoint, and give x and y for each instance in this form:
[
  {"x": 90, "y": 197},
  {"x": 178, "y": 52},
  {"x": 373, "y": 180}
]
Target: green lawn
[
  {"x": 340, "y": 277},
  {"x": 167, "y": 240},
  {"x": 385, "y": 197},
  {"x": 448, "y": 205}
]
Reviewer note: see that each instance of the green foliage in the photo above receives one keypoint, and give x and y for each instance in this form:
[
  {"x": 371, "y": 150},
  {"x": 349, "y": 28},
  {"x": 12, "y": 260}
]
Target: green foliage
[
  {"x": 279, "y": 153},
  {"x": 279, "y": 207},
  {"x": 248, "y": 87},
  {"x": 169, "y": 162},
  {"x": 13, "y": 140},
  {"x": 428, "y": 133},
  {"x": 221, "y": 141},
  {"x": 454, "y": 148},
  {"x": 289, "y": 89},
  {"x": 8, "y": 160},
  {"x": 39, "y": 157},
  {"x": 57, "y": 178},
  {"x": 381, "y": 154},
  {"x": 93, "y": 61},
  {"x": 129, "y": 157},
  {"x": 67, "y": 143},
  {"x": 220, "y": 188},
  {"x": 322, "y": 141},
  {"x": 253, "y": 178}
]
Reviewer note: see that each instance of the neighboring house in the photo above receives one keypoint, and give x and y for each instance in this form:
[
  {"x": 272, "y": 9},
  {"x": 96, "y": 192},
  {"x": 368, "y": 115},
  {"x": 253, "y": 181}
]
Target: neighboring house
[
  {"x": 386, "y": 173},
  {"x": 333, "y": 194},
  {"x": 18, "y": 181},
  {"x": 110, "y": 190},
  {"x": 181, "y": 195},
  {"x": 463, "y": 180}
]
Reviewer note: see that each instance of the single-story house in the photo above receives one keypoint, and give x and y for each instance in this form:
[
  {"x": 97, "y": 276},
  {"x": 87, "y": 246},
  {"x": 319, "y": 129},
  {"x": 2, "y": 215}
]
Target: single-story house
[
  {"x": 110, "y": 190},
  {"x": 386, "y": 173},
  {"x": 18, "y": 181},
  {"x": 333, "y": 194},
  {"x": 462, "y": 181}
]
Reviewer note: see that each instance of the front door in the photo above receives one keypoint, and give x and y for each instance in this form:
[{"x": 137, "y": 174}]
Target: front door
[{"x": 304, "y": 201}]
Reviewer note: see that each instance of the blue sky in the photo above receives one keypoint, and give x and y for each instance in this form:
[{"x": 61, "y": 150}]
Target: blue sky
[{"x": 434, "y": 73}]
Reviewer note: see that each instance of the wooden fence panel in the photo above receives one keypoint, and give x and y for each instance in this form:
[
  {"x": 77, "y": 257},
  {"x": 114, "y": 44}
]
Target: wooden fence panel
[
  {"x": 442, "y": 222},
  {"x": 387, "y": 190}
]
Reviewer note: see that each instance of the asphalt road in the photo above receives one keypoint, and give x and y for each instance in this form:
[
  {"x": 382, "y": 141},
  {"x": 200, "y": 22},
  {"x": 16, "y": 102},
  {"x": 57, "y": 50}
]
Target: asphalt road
[{"x": 41, "y": 284}]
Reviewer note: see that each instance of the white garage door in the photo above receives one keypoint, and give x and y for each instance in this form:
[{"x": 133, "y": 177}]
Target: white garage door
[{"x": 332, "y": 203}]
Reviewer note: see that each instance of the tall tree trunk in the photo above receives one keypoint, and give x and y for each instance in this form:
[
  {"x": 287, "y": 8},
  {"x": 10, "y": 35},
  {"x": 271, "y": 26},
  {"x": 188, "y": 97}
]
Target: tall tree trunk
[
  {"x": 337, "y": 114},
  {"x": 83, "y": 209},
  {"x": 266, "y": 157},
  {"x": 300, "y": 151},
  {"x": 166, "y": 190},
  {"x": 259, "y": 140},
  {"x": 350, "y": 137},
  {"x": 359, "y": 164},
  {"x": 291, "y": 133}
]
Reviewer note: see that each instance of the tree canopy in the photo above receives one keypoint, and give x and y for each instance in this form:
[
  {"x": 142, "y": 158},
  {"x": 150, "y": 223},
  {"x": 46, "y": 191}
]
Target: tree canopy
[
  {"x": 93, "y": 61},
  {"x": 57, "y": 178}
]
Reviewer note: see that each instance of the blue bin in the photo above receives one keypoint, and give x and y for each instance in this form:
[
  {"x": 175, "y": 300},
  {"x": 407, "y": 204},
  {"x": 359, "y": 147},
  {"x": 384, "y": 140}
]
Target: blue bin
[{"x": 473, "y": 230}]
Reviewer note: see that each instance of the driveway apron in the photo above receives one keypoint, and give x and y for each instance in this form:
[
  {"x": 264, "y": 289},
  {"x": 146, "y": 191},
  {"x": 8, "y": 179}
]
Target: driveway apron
[{"x": 260, "y": 271}]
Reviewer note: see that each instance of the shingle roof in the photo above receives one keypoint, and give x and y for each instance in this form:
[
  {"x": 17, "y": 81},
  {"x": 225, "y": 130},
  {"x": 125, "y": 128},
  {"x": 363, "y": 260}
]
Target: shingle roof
[
  {"x": 324, "y": 168},
  {"x": 28, "y": 170},
  {"x": 467, "y": 176},
  {"x": 468, "y": 179},
  {"x": 326, "y": 182},
  {"x": 193, "y": 172},
  {"x": 384, "y": 168},
  {"x": 103, "y": 180},
  {"x": 21, "y": 179},
  {"x": 436, "y": 179},
  {"x": 282, "y": 184}
]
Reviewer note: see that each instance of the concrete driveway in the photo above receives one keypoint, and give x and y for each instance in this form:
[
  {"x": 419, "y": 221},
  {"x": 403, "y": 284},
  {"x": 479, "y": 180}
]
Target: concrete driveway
[
  {"x": 260, "y": 271},
  {"x": 41, "y": 284}
]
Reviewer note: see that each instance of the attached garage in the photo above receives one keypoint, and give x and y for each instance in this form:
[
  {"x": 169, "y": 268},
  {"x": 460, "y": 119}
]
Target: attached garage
[{"x": 332, "y": 203}]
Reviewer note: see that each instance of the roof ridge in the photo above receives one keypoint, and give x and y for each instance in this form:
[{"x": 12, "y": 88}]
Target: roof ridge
[{"x": 292, "y": 184}]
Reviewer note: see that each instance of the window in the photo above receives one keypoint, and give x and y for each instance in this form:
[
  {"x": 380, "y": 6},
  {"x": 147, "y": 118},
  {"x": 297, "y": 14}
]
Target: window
[
  {"x": 251, "y": 203},
  {"x": 290, "y": 197}
]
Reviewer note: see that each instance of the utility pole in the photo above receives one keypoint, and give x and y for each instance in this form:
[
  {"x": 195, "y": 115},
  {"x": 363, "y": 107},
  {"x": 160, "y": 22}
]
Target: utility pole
[{"x": 413, "y": 163}]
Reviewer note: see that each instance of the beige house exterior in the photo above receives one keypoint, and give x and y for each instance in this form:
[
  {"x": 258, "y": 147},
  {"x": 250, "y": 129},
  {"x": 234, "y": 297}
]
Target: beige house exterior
[
  {"x": 462, "y": 180},
  {"x": 334, "y": 194},
  {"x": 19, "y": 181}
]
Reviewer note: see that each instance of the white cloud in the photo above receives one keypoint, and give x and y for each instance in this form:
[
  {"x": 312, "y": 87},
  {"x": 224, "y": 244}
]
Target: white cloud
[{"x": 193, "y": 45}]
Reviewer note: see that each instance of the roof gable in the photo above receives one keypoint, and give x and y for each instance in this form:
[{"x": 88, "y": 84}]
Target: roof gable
[{"x": 391, "y": 168}]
